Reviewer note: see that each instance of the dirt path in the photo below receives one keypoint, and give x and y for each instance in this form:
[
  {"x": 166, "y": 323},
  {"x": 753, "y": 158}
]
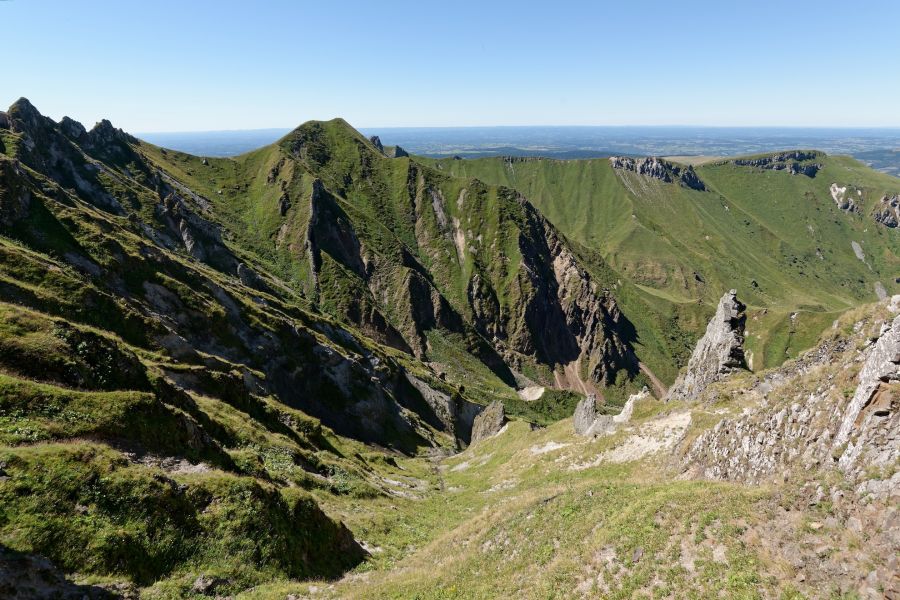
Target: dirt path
[{"x": 658, "y": 388}]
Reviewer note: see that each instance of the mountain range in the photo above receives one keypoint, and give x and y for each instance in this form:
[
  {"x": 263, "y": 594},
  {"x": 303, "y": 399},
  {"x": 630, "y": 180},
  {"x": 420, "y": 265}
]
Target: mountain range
[{"x": 210, "y": 366}]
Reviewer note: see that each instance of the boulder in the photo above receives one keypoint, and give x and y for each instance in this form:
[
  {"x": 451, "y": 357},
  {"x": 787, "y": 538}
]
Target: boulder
[
  {"x": 585, "y": 413},
  {"x": 489, "y": 422},
  {"x": 588, "y": 421},
  {"x": 719, "y": 352}
]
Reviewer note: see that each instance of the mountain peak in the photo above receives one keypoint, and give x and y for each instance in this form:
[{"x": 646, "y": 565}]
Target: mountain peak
[
  {"x": 72, "y": 128},
  {"x": 23, "y": 115},
  {"x": 105, "y": 133},
  {"x": 23, "y": 106}
]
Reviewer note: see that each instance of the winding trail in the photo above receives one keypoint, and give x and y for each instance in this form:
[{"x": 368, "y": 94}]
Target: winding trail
[{"x": 658, "y": 386}]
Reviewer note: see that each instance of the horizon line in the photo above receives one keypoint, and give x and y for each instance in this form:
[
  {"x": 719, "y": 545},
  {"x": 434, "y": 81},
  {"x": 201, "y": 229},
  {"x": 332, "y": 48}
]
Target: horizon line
[{"x": 410, "y": 127}]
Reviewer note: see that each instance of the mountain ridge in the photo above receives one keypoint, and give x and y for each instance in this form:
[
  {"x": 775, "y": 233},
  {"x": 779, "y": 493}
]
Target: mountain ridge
[{"x": 208, "y": 366}]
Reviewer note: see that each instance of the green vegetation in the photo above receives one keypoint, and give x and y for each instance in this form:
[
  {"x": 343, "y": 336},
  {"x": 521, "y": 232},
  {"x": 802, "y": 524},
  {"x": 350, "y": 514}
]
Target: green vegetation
[
  {"x": 779, "y": 239},
  {"x": 251, "y": 369}
]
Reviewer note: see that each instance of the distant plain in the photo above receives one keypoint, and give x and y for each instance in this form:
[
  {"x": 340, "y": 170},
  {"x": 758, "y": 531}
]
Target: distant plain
[{"x": 878, "y": 148}]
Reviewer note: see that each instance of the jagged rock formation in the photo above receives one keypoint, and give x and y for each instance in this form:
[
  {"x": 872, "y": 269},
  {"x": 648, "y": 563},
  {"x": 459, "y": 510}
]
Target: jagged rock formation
[
  {"x": 395, "y": 152},
  {"x": 376, "y": 141},
  {"x": 628, "y": 409},
  {"x": 719, "y": 352},
  {"x": 585, "y": 413},
  {"x": 795, "y": 162},
  {"x": 887, "y": 211},
  {"x": 588, "y": 420},
  {"x": 832, "y": 455},
  {"x": 489, "y": 421},
  {"x": 816, "y": 426},
  {"x": 876, "y": 399},
  {"x": 657, "y": 168}
]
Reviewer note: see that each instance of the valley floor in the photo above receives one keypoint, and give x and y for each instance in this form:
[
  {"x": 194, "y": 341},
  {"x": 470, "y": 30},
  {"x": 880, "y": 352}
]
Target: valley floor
[{"x": 548, "y": 514}]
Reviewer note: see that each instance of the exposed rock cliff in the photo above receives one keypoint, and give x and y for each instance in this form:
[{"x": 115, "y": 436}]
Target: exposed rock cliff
[
  {"x": 796, "y": 162},
  {"x": 489, "y": 421},
  {"x": 887, "y": 211},
  {"x": 567, "y": 319},
  {"x": 873, "y": 410},
  {"x": 844, "y": 197},
  {"x": 719, "y": 352},
  {"x": 657, "y": 168}
]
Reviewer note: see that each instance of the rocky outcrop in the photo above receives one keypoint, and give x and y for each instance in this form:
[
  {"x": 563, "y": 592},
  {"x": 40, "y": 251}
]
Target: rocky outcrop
[
  {"x": 396, "y": 152},
  {"x": 47, "y": 150},
  {"x": 803, "y": 421},
  {"x": 719, "y": 352},
  {"x": 446, "y": 412},
  {"x": 588, "y": 421},
  {"x": 15, "y": 192},
  {"x": 657, "y": 168},
  {"x": 625, "y": 414},
  {"x": 874, "y": 398},
  {"x": 843, "y": 197},
  {"x": 585, "y": 413},
  {"x": 376, "y": 141},
  {"x": 489, "y": 421},
  {"x": 200, "y": 237},
  {"x": 887, "y": 211},
  {"x": 796, "y": 162}
]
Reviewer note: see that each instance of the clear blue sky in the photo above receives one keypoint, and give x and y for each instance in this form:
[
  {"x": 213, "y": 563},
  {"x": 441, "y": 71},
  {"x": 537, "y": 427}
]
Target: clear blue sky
[{"x": 162, "y": 65}]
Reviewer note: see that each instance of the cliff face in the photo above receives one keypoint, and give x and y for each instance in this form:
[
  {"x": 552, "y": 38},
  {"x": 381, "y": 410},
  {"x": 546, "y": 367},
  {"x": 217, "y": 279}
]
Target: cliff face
[
  {"x": 719, "y": 352},
  {"x": 797, "y": 162},
  {"x": 425, "y": 252},
  {"x": 657, "y": 168}
]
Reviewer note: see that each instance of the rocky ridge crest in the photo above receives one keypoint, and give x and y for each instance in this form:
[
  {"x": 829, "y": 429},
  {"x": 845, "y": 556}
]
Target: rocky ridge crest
[{"x": 657, "y": 168}]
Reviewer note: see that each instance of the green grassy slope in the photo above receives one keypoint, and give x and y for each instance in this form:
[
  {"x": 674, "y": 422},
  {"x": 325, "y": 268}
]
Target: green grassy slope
[
  {"x": 157, "y": 384},
  {"x": 754, "y": 229},
  {"x": 207, "y": 366}
]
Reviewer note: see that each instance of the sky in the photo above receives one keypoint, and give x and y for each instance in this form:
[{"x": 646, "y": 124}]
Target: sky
[{"x": 195, "y": 65}]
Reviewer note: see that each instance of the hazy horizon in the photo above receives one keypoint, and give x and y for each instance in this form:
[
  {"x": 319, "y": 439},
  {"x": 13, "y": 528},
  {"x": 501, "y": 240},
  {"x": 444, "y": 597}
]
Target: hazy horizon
[{"x": 877, "y": 147}]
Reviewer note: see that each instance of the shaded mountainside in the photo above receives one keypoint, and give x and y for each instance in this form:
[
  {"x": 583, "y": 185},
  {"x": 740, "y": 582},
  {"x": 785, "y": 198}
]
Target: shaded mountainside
[{"x": 428, "y": 264}]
